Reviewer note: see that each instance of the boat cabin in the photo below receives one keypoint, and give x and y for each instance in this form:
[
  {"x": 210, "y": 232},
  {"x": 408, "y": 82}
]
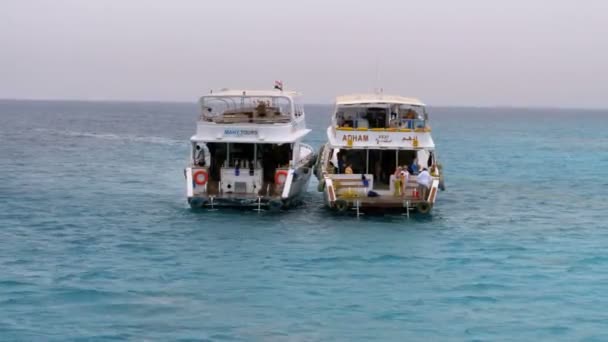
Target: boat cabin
[
  {"x": 247, "y": 141},
  {"x": 379, "y": 112},
  {"x": 257, "y": 107},
  {"x": 372, "y": 139}
]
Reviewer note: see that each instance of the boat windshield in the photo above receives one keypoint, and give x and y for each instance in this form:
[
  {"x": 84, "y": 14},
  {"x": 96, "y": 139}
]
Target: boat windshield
[
  {"x": 259, "y": 109},
  {"x": 381, "y": 115}
]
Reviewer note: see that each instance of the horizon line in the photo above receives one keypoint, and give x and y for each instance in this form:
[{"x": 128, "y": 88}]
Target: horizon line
[{"x": 305, "y": 103}]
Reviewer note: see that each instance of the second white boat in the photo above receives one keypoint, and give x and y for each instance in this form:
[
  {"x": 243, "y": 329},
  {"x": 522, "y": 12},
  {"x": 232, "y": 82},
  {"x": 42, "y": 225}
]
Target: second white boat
[
  {"x": 247, "y": 151},
  {"x": 380, "y": 155}
]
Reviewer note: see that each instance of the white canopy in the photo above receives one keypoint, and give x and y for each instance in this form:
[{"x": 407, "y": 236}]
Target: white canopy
[
  {"x": 251, "y": 92},
  {"x": 361, "y": 99}
]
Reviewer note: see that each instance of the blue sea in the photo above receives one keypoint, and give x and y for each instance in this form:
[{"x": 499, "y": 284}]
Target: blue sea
[{"x": 97, "y": 241}]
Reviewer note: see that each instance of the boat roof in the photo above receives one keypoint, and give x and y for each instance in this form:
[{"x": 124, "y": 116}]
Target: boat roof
[
  {"x": 252, "y": 92},
  {"x": 355, "y": 99}
]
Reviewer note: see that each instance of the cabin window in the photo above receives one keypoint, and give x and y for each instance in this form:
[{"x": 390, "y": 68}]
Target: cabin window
[
  {"x": 376, "y": 117},
  {"x": 373, "y": 116},
  {"x": 299, "y": 109},
  {"x": 363, "y": 117},
  {"x": 407, "y": 117}
]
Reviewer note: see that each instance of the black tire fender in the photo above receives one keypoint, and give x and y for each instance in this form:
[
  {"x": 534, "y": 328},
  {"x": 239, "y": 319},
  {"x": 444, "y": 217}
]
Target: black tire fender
[
  {"x": 423, "y": 207},
  {"x": 341, "y": 205}
]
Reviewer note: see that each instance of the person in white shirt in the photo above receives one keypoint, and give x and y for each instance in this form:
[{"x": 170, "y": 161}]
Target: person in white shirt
[{"x": 424, "y": 180}]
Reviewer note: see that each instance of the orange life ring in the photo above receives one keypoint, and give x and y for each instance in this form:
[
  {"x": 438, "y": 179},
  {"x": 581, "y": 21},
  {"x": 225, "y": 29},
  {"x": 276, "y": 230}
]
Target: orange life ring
[
  {"x": 280, "y": 177},
  {"x": 196, "y": 177}
]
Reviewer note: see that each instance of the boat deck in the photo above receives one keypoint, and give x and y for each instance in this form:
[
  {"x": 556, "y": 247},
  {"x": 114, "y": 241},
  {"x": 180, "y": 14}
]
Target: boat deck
[{"x": 382, "y": 201}]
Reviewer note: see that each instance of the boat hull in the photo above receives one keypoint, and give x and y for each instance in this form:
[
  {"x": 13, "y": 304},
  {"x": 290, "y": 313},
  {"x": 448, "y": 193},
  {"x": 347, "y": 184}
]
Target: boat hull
[
  {"x": 298, "y": 187},
  {"x": 357, "y": 200},
  {"x": 378, "y": 205}
]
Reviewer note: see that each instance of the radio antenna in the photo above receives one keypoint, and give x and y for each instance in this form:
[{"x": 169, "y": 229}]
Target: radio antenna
[{"x": 378, "y": 89}]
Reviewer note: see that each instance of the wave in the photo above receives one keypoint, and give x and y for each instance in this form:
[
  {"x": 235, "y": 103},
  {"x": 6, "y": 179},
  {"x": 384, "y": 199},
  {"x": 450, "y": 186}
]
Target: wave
[{"x": 111, "y": 136}]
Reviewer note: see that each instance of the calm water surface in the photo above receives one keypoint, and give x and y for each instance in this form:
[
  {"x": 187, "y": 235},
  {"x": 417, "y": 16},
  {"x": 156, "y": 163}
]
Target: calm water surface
[{"x": 97, "y": 242}]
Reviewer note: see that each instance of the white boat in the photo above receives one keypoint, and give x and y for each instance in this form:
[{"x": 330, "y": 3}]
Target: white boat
[
  {"x": 247, "y": 151},
  {"x": 370, "y": 137}
]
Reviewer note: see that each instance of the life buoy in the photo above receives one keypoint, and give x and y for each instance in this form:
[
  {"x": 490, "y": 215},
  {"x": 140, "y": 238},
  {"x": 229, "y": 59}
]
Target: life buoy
[
  {"x": 423, "y": 207},
  {"x": 200, "y": 174},
  {"x": 341, "y": 205},
  {"x": 280, "y": 177}
]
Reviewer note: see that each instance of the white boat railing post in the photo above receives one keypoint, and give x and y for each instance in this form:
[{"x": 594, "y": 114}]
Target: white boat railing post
[
  {"x": 212, "y": 198},
  {"x": 189, "y": 183},
  {"x": 287, "y": 184},
  {"x": 259, "y": 209}
]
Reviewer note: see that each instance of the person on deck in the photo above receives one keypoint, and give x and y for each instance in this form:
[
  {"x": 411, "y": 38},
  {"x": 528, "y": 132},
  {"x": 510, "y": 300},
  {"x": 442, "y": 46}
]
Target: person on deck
[
  {"x": 349, "y": 169},
  {"x": 424, "y": 180},
  {"x": 341, "y": 163},
  {"x": 413, "y": 169},
  {"x": 397, "y": 182},
  {"x": 269, "y": 168},
  {"x": 404, "y": 175}
]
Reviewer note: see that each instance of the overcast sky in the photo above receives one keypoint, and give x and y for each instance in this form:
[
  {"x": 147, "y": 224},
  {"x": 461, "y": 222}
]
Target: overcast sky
[{"x": 467, "y": 52}]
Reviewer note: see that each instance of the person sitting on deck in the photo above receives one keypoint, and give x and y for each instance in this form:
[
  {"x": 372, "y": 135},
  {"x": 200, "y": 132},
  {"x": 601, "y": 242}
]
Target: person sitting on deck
[
  {"x": 349, "y": 169},
  {"x": 260, "y": 109},
  {"x": 424, "y": 180}
]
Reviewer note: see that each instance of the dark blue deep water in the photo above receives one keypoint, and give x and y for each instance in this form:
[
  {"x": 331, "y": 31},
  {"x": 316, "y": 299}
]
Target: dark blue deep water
[{"x": 97, "y": 242}]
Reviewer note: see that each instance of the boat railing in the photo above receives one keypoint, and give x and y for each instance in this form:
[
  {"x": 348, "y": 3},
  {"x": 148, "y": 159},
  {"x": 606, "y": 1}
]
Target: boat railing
[
  {"x": 433, "y": 191},
  {"x": 247, "y": 116},
  {"x": 404, "y": 126}
]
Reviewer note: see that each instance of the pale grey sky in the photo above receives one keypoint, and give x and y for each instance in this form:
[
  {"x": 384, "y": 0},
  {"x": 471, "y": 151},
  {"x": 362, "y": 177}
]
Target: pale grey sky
[{"x": 467, "y": 52}]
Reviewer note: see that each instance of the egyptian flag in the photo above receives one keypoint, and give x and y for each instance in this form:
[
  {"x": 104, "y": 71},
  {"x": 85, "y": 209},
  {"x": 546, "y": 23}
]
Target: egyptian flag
[{"x": 278, "y": 85}]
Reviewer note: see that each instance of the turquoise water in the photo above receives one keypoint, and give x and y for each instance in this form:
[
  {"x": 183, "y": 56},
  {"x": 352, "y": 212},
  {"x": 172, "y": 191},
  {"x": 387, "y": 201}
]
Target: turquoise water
[{"x": 97, "y": 241}]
